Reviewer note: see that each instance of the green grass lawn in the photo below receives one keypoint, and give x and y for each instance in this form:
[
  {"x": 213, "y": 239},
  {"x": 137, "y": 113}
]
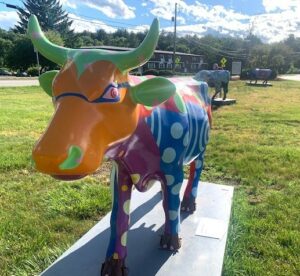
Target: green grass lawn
[{"x": 254, "y": 145}]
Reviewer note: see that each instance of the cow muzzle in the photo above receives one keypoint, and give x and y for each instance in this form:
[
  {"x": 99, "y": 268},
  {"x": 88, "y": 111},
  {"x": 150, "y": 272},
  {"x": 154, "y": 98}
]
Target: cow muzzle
[{"x": 72, "y": 161}]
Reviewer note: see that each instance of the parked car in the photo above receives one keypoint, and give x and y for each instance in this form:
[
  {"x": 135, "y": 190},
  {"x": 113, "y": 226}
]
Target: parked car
[
  {"x": 5, "y": 72},
  {"x": 21, "y": 74}
]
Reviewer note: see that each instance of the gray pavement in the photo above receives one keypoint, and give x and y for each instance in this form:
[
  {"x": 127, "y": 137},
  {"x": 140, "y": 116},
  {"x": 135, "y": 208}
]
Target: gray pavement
[
  {"x": 13, "y": 82},
  {"x": 290, "y": 77}
]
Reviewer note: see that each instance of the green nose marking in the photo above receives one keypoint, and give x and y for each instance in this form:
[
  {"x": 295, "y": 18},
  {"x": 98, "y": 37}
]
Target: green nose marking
[{"x": 73, "y": 160}]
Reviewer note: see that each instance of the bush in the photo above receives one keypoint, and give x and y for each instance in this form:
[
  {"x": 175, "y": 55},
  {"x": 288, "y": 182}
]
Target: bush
[
  {"x": 151, "y": 72},
  {"x": 167, "y": 73},
  {"x": 273, "y": 75},
  {"x": 245, "y": 74},
  {"x": 293, "y": 70},
  {"x": 33, "y": 71}
]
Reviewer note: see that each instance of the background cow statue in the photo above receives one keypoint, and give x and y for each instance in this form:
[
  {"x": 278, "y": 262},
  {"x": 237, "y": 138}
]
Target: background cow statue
[
  {"x": 215, "y": 78},
  {"x": 148, "y": 128},
  {"x": 260, "y": 74}
]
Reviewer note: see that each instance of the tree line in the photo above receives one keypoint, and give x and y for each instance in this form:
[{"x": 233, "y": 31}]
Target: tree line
[{"x": 17, "y": 53}]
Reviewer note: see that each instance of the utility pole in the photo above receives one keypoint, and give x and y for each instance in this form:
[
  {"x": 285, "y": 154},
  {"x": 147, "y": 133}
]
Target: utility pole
[{"x": 174, "y": 46}]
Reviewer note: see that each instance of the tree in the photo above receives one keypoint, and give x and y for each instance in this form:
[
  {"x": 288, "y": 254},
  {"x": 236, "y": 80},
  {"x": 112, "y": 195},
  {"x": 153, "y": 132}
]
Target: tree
[
  {"x": 50, "y": 14},
  {"x": 21, "y": 55},
  {"x": 5, "y": 45}
]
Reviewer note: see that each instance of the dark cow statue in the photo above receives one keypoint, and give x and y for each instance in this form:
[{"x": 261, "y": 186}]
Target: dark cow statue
[
  {"x": 260, "y": 74},
  {"x": 215, "y": 78}
]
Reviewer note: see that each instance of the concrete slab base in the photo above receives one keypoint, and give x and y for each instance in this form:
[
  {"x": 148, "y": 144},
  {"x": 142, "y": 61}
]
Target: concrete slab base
[
  {"x": 202, "y": 249},
  {"x": 258, "y": 84},
  {"x": 220, "y": 101}
]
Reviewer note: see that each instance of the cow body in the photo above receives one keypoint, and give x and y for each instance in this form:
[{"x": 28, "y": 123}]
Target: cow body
[
  {"x": 215, "y": 78},
  {"x": 167, "y": 137},
  {"x": 149, "y": 127},
  {"x": 260, "y": 74}
]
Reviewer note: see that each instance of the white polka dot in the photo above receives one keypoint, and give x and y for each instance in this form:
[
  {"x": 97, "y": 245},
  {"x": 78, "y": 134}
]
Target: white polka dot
[
  {"x": 176, "y": 189},
  {"x": 169, "y": 155},
  {"x": 186, "y": 140},
  {"x": 207, "y": 134},
  {"x": 176, "y": 130},
  {"x": 126, "y": 207},
  {"x": 194, "y": 192},
  {"x": 173, "y": 215},
  {"x": 124, "y": 239},
  {"x": 198, "y": 164},
  {"x": 170, "y": 179}
]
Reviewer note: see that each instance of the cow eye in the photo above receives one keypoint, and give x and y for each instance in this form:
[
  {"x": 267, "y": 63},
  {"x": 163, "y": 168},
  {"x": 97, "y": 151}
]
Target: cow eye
[{"x": 111, "y": 94}]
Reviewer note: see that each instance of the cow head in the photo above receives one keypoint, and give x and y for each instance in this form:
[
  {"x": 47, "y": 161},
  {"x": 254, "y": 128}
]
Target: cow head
[{"x": 95, "y": 106}]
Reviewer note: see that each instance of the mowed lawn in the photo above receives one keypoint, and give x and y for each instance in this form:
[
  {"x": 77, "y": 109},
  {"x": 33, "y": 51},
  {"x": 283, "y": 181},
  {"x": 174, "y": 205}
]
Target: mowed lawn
[{"x": 254, "y": 145}]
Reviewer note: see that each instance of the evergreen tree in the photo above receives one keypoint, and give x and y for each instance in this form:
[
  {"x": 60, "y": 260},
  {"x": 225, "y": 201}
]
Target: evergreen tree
[{"x": 49, "y": 13}]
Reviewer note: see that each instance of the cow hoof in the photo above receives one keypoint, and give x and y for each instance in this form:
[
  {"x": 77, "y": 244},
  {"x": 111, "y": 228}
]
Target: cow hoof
[
  {"x": 188, "y": 205},
  {"x": 114, "y": 267},
  {"x": 170, "y": 242}
]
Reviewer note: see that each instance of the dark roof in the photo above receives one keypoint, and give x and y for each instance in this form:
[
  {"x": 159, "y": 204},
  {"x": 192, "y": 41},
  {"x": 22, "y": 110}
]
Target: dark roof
[{"x": 115, "y": 48}]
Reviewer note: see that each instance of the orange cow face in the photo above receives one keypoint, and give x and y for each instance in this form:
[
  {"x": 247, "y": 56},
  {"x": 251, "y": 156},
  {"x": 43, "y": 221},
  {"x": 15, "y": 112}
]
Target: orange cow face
[
  {"x": 94, "y": 104},
  {"x": 91, "y": 112}
]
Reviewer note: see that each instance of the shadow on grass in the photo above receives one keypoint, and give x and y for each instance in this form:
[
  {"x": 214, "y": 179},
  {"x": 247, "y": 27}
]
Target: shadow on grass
[{"x": 144, "y": 256}]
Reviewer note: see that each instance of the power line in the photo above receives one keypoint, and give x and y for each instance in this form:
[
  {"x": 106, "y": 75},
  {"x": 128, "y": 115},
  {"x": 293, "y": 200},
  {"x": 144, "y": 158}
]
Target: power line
[
  {"x": 108, "y": 20},
  {"x": 101, "y": 24}
]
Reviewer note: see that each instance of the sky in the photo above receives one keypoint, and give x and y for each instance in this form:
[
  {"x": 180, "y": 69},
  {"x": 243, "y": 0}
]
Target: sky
[{"x": 270, "y": 20}]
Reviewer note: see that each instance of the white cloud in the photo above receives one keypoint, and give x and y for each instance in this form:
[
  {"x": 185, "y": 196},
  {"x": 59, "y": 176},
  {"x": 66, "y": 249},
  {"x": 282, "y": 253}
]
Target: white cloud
[
  {"x": 273, "y": 5},
  {"x": 274, "y": 27},
  {"x": 140, "y": 28},
  {"x": 270, "y": 27},
  {"x": 80, "y": 24},
  {"x": 68, "y": 3},
  {"x": 8, "y": 19},
  {"x": 280, "y": 19},
  {"x": 111, "y": 8}
]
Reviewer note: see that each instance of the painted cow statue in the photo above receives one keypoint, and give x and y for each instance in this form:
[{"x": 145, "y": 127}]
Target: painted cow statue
[
  {"x": 215, "y": 78},
  {"x": 148, "y": 126},
  {"x": 260, "y": 74}
]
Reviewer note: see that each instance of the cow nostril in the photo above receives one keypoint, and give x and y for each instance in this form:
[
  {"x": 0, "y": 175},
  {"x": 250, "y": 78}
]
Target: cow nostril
[{"x": 73, "y": 160}]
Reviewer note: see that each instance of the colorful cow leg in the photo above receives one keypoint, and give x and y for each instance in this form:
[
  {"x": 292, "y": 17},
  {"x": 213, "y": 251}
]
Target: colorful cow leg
[
  {"x": 188, "y": 203},
  {"x": 171, "y": 201},
  {"x": 121, "y": 185}
]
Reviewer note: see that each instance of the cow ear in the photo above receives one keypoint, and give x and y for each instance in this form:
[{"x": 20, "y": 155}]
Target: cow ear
[
  {"x": 46, "y": 80},
  {"x": 153, "y": 91}
]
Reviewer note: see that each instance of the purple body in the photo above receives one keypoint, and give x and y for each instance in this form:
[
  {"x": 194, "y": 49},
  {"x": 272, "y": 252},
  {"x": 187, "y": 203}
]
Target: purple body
[{"x": 260, "y": 74}]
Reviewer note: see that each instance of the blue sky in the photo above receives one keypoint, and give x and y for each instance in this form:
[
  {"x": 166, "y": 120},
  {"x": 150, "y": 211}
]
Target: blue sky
[{"x": 271, "y": 20}]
